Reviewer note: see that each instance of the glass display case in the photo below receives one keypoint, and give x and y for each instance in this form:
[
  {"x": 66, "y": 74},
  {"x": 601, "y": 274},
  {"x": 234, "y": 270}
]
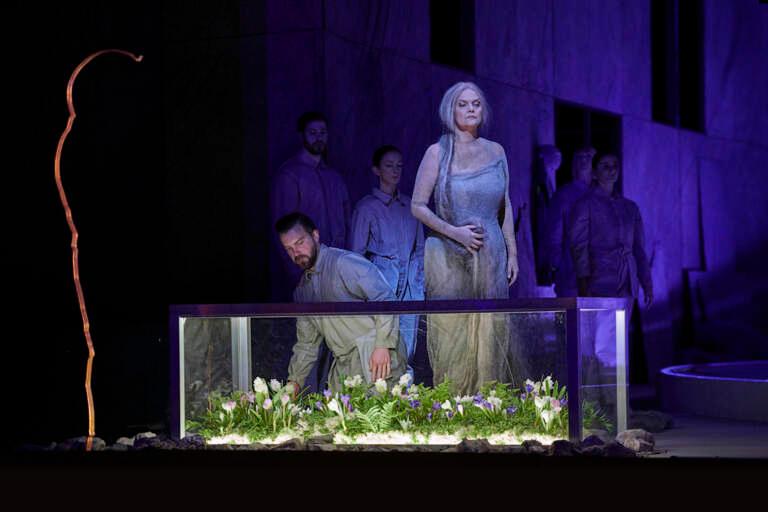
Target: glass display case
[{"x": 581, "y": 343}]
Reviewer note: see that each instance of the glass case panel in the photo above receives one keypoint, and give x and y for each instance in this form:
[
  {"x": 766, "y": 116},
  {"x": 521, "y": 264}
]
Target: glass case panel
[
  {"x": 578, "y": 343},
  {"x": 603, "y": 362}
]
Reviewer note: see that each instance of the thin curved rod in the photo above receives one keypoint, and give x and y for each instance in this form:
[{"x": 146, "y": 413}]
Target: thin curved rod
[{"x": 73, "y": 229}]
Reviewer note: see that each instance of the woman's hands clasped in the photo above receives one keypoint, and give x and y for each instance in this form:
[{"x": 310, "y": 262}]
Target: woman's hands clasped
[{"x": 470, "y": 236}]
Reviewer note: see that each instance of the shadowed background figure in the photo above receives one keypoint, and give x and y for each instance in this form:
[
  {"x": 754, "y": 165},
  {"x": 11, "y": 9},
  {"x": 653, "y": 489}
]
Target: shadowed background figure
[
  {"x": 557, "y": 252},
  {"x": 607, "y": 243},
  {"x": 305, "y": 183},
  {"x": 544, "y": 185}
]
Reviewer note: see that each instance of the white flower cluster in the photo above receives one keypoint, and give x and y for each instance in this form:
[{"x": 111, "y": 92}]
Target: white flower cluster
[
  {"x": 260, "y": 386},
  {"x": 353, "y": 382},
  {"x": 381, "y": 386},
  {"x": 547, "y": 405}
]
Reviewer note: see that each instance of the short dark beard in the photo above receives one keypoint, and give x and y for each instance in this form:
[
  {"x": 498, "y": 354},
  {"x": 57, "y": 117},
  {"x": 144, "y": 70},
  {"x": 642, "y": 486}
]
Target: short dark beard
[
  {"x": 312, "y": 258},
  {"x": 312, "y": 150}
]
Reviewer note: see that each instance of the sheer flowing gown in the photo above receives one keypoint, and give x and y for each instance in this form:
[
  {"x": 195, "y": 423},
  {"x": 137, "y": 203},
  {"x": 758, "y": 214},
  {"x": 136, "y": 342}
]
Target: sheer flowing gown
[{"x": 469, "y": 349}]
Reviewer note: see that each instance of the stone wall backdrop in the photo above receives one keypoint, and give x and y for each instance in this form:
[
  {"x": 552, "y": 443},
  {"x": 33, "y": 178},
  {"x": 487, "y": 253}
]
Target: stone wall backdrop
[{"x": 367, "y": 66}]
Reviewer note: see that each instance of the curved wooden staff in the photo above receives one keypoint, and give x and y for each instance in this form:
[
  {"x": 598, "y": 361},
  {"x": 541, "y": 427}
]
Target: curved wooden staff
[{"x": 73, "y": 229}]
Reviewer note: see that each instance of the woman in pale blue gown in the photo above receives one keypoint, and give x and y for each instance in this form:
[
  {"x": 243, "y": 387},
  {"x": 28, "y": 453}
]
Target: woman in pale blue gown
[{"x": 471, "y": 251}]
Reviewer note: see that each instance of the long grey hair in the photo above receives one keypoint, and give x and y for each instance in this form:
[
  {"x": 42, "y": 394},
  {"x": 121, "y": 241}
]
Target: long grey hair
[{"x": 447, "y": 140}]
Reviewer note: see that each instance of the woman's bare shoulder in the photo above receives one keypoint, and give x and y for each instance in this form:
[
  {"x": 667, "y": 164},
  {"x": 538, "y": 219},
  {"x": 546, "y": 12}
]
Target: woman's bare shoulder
[
  {"x": 433, "y": 150},
  {"x": 493, "y": 146},
  {"x": 432, "y": 154}
]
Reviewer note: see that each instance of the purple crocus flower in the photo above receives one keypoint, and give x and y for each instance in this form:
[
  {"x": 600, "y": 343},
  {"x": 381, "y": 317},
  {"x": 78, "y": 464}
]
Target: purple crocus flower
[
  {"x": 563, "y": 402},
  {"x": 478, "y": 398},
  {"x": 436, "y": 406},
  {"x": 488, "y": 405},
  {"x": 415, "y": 404},
  {"x": 327, "y": 394},
  {"x": 429, "y": 416},
  {"x": 523, "y": 397},
  {"x": 528, "y": 388},
  {"x": 449, "y": 414},
  {"x": 319, "y": 405},
  {"x": 249, "y": 397},
  {"x": 511, "y": 410}
]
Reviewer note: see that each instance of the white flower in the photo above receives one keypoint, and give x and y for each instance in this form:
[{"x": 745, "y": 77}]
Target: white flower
[
  {"x": 554, "y": 404},
  {"x": 495, "y": 401},
  {"x": 352, "y": 382},
  {"x": 284, "y": 399},
  {"x": 492, "y": 393},
  {"x": 397, "y": 389},
  {"x": 294, "y": 409},
  {"x": 447, "y": 405},
  {"x": 460, "y": 408},
  {"x": 267, "y": 404},
  {"x": 228, "y": 406},
  {"x": 540, "y": 402},
  {"x": 381, "y": 386},
  {"x": 260, "y": 386},
  {"x": 405, "y": 379},
  {"x": 406, "y": 424},
  {"x": 466, "y": 399},
  {"x": 221, "y": 416},
  {"x": 547, "y": 384},
  {"x": 275, "y": 385},
  {"x": 334, "y": 406},
  {"x": 547, "y": 416}
]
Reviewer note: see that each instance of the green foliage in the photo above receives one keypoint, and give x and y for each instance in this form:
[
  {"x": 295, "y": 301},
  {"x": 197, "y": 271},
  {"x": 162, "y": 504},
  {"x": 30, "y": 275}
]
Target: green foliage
[
  {"x": 360, "y": 408},
  {"x": 594, "y": 418}
]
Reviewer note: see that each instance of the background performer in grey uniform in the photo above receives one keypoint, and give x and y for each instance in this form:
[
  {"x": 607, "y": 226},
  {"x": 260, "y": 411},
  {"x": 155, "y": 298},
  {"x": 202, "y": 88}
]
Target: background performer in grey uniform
[
  {"x": 558, "y": 252},
  {"x": 385, "y": 232},
  {"x": 607, "y": 243}
]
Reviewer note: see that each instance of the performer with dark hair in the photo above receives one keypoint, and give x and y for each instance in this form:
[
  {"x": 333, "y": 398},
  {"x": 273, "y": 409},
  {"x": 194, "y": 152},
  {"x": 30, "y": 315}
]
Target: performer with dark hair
[
  {"x": 385, "y": 232},
  {"x": 607, "y": 243},
  {"x": 305, "y": 183},
  {"x": 368, "y": 346},
  {"x": 558, "y": 254}
]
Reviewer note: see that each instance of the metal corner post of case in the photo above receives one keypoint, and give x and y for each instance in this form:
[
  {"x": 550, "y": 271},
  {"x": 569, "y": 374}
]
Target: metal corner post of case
[
  {"x": 573, "y": 352},
  {"x": 241, "y": 352},
  {"x": 622, "y": 361},
  {"x": 176, "y": 348}
]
